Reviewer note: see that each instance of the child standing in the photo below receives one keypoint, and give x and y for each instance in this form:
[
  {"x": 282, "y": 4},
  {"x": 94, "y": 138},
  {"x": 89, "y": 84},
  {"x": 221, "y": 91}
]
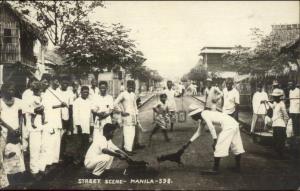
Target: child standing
[
  {"x": 162, "y": 119},
  {"x": 37, "y": 103}
]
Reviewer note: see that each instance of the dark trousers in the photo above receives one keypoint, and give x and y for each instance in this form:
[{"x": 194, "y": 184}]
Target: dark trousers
[
  {"x": 279, "y": 136},
  {"x": 296, "y": 123},
  {"x": 63, "y": 144},
  {"x": 83, "y": 146}
]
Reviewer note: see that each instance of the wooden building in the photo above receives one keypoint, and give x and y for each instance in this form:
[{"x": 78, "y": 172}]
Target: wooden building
[{"x": 18, "y": 36}]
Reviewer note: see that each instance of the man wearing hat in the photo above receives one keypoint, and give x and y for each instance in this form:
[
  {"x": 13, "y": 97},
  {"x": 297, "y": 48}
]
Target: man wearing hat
[
  {"x": 276, "y": 85},
  {"x": 279, "y": 121},
  {"x": 228, "y": 138},
  {"x": 212, "y": 95}
]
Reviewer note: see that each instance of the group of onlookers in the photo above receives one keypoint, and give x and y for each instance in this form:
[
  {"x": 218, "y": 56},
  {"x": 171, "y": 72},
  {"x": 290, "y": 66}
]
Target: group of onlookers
[
  {"x": 53, "y": 109},
  {"x": 269, "y": 111},
  {"x": 274, "y": 115}
]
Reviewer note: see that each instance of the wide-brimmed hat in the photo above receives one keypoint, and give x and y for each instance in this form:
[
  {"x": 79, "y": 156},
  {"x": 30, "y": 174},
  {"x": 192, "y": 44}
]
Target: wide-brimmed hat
[
  {"x": 277, "y": 92},
  {"x": 194, "y": 109},
  {"x": 209, "y": 79}
]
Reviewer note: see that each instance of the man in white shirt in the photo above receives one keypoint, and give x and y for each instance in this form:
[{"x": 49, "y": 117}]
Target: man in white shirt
[
  {"x": 231, "y": 99},
  {"x": 66, "y": 97},
  {"x": 294, "y": 109},
  {"x": 82, "y": 110},
  {"x": 228, "y": 138},
  {"x": 101, "y": 153},
  {"x": 104, "y": 104},
  {"x": 52, "y": 131},
  {"x": 171, "y": 103},
  {"x": 259, "y": 108},
  {"x": 212, "y": 95},
  {"x": 94, "y": 90},
  {"x": 35, "y": 134},
  {"x": 129, "y": 111}
]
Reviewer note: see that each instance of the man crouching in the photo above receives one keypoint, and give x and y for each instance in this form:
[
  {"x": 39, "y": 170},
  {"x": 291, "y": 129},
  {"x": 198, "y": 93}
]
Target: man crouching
[
  {"x": 101, "y": 153},
  {"x": 229, "y": 137}
]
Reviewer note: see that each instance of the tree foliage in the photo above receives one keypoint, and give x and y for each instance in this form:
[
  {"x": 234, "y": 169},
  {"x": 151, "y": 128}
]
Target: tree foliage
[
  {"x": 197, "y": 73},
  {"x": 55, "y": 16},
  {"x": 266, "y": 56}
]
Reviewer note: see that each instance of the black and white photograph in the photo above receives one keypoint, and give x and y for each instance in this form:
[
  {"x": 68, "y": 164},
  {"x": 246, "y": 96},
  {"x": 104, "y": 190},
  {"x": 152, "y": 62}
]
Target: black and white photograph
[{"x": 149, "y": 95}]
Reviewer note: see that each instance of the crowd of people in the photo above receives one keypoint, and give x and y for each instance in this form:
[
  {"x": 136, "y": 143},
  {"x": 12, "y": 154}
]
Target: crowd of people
[
  {"x": 52, "y": 109},
  {"x": 55, "y": 107},
  {"x": 270, "y": 113}
]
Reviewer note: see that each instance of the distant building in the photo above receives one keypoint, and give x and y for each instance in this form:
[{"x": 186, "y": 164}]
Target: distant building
[
  {"x": 212, "y": 57},
  {"x": 18, "y": 36}
]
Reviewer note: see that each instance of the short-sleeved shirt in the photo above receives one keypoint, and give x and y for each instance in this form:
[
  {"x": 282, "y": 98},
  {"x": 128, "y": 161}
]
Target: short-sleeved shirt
[
  {"x": 10, "y": 114},
  {"x": 211, "y": 95},
  {"x": 82, "y": 110},
  {"x": 231, "y": 98},
  {"x": 258, "y": 107},
  {"x": 53, "y": 116},
  {"x": 103, "y": 104},
  {"x": 66, "y": 96},
  {"x": 97, "y": 147},
  {"x": 171, "y": 99},
  {"x": 294, "y": 101}
]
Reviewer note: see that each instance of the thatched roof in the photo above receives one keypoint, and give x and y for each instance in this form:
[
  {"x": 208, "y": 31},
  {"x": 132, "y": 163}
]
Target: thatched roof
[{"x": 27, "y": 23}]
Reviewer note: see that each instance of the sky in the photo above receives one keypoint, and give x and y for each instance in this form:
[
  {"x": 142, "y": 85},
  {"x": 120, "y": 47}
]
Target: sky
[{"x": 172, "y": 33}]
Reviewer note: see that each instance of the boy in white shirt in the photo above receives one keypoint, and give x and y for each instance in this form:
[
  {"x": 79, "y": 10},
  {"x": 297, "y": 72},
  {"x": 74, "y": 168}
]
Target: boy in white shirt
[
  {"x": 231, "y": 100},
  {"x": 171, "y": 103},
  {"x": 104, "y": 104},
  {"x": 259, "y": 108},
  {"x": 212, "y": 95},
  {"x": 94, "y": 90},
  {"x": 82, "y": 109}
]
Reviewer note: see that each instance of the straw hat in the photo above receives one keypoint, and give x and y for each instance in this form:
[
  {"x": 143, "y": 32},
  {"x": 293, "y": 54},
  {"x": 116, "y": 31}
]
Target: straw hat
[
  {"x": 276, "y": 92},
  {"x": 209, "y": 79},
  {"x": 194, "y": 109}
]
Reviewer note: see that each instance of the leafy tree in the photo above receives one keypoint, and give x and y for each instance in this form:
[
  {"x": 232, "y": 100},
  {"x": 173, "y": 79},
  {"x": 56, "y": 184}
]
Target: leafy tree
[
  {"x": 94, "y": 47},
  {"x": 55, "y": 16},
  {"x": 266, "y": 56}
]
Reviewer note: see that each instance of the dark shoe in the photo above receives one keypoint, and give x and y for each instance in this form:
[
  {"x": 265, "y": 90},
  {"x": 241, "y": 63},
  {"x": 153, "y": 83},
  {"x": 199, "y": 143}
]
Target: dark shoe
[{"x": 130, "y": 153}]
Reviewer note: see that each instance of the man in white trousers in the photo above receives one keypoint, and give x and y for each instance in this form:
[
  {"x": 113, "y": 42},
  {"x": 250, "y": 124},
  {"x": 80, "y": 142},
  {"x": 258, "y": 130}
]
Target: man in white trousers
[
  {"x": 53, "y": 129},
  {"x": 104, "y": 104},
  {"x": 101, "y": 153},
  {"x": 228, "y": 138},
  {"x": 35, "y": 134},
  {"x": 127, "y": 100}
]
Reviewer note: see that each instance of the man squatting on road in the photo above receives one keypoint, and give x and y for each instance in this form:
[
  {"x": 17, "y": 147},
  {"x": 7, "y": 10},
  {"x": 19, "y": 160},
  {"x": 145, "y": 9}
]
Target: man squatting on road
[{"x": 228, "y": 138}]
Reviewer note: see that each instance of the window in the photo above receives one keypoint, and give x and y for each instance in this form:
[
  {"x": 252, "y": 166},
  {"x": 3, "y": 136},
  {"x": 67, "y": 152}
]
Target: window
[{"x": 7, "y": 36}]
